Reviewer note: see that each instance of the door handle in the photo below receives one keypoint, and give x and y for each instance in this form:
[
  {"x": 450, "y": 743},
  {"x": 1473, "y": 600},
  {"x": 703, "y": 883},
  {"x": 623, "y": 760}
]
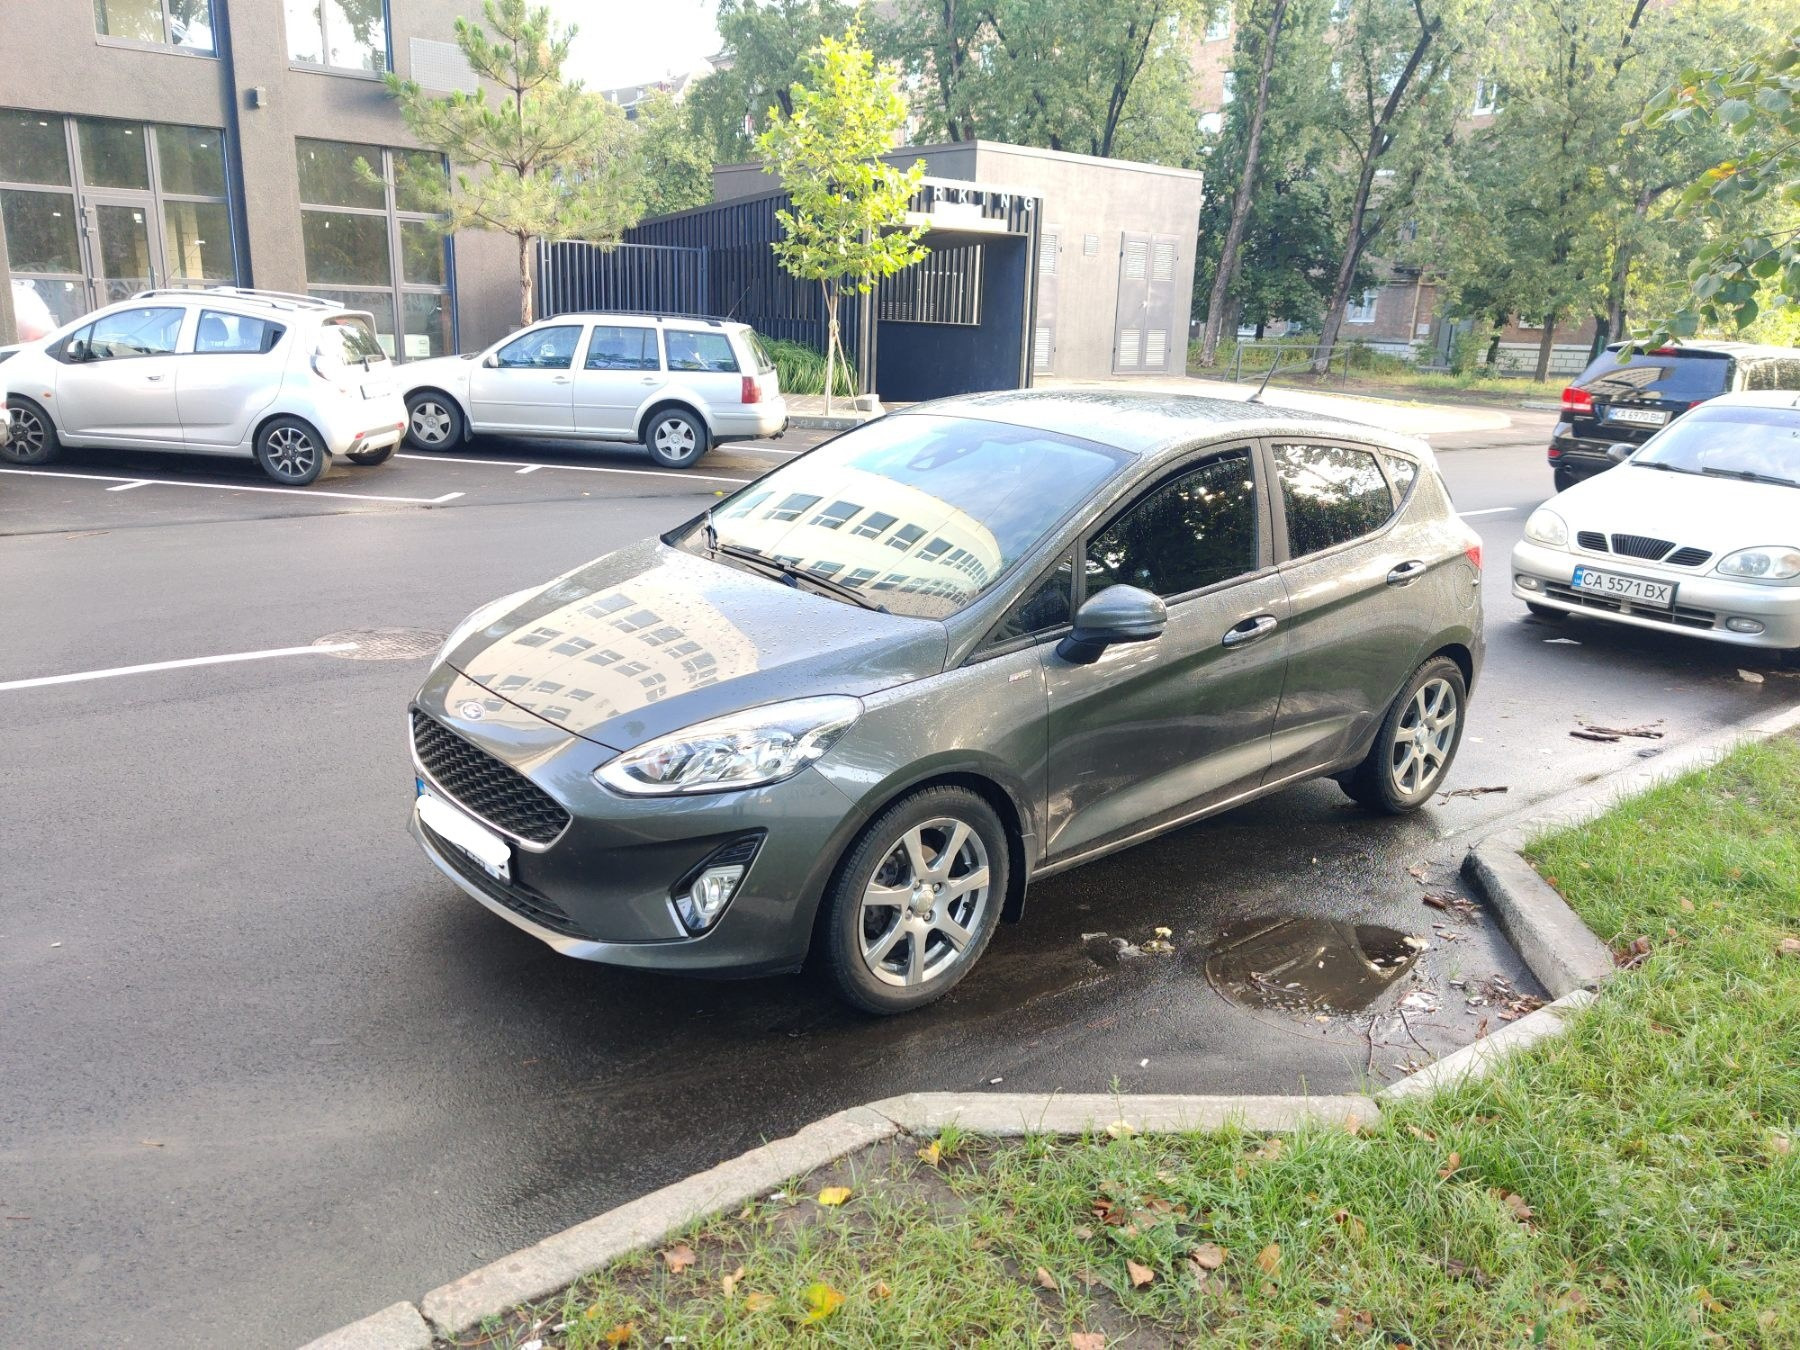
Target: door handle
[
  {"x": 559, "y": 379},
  {"x": 152, "y": 377},
  {"x": 1406, "y": 573},
  {"x": 652, "y": 379},
  {"x": 1249, "y": 630}
]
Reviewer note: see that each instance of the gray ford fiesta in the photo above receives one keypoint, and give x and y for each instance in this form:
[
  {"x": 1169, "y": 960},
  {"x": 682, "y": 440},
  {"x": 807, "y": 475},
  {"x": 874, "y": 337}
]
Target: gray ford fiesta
[{"x": 857, "y": 706}]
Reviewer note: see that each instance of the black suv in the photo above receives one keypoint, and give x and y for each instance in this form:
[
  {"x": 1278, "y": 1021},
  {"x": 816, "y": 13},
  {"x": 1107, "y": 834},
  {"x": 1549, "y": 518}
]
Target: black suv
[{"x": 1619, "y": 402}]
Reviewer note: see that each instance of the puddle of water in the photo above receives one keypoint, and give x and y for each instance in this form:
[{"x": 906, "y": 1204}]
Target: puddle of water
[{"x": 1309, "y": 965}]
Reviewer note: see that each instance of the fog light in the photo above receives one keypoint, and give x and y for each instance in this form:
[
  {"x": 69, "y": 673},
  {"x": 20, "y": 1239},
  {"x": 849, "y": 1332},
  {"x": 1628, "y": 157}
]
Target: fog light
[
  {"x": 1743, "y": 625},
  {"x": 1528, "y": 583},
  {"x": 706, "y": 897}
]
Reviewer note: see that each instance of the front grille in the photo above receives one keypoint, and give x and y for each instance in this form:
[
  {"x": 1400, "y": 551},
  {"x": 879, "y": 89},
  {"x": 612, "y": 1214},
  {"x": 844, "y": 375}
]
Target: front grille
[
  {"x": 1682, "y": 616},
  {"x": 1687, "y": 557},
  {"x": 1592, "y": 540},
  {"x": 481, "y": 784},
  {"x": 521, "y": 900},
  {"x": 1641, "y": 546}
]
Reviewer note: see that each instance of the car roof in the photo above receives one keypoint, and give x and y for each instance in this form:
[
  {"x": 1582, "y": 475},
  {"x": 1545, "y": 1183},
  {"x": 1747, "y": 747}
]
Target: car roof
[
  {"x": 655, "y": 316},
  {"x": 1148, "y": 423},
  {"x": 1754, "y": 398},
  {"x": 1740, "y": 350},
  {"x": 252, "y": 301}
]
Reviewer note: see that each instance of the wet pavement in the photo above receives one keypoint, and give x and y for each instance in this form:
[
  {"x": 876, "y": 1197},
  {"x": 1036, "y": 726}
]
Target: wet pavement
[{"x": 264, "y": 1071}]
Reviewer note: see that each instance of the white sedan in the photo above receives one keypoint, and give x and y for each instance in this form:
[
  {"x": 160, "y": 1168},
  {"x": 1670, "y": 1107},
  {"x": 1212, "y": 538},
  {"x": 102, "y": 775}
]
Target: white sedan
[{"x": 1698, "y": 531}]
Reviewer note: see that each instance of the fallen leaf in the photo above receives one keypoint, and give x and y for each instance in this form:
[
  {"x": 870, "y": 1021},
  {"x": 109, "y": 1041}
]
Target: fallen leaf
[
  {"x": 1268, "y": 1260},
  {"x": 730, "y": 1283},
  {"x": 1344, "y": 1321},
  {"x": 1087, "y": 1340},
  {"x": 1451, "y": 1166},
  {"x": 621, "y": 1334},
  {"x": 1750, "y": 677},
  {"x": 1780, "y": 1143},
  {"x": 881, "y": 1290},
  {"x": 821, "y": 1301},
  {"x": 1350, "y": 1224},
  {"x": 1140, "y": 1275},
  {"x": 834, "y": 1195},
  {"x": 1209, "y": 1255},
  {"x": 932, "y": 1152},
  {"x": 1687, "y": 905},
  {"x": 1707, "y": 1301},
  {"x": 678, "y": 1259},
  {"x": 758, "y": 1302},
  {"x": 1087, "y": 1277},
  {"x": 1788, "y": 947},
  {"x": 1520, "y": 1210},
  {"x": 1083, "y": 1232},
  {"x": 1270, "y": 1150},
  {"x": 1046, "y": 1280},
  {"x": 1417, "y": 1133},
  {"x": 1353, "y": 1123},
  {"x": 1120, "y": 1129}
]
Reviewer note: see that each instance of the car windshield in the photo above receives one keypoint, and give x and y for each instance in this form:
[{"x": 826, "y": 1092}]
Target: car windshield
[
  {"x": 349, "y": 341},
  {"x": 1661, "y": 374},
  {"x": 919, "y": 513},
  {"x": 1762, "y": 441}
]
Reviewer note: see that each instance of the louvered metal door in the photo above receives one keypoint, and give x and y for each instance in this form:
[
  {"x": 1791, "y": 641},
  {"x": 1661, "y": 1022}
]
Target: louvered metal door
[
  {"x": 1145, "y": 332},
  {"x": 1043, "y": 337}
]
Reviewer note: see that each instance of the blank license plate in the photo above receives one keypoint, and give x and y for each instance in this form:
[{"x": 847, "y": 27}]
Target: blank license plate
[
  {"x": 1636, "y": 590},
  {"x": 378, "y": 390},
  {"x": 488, "y": 849},
  {"x": 1637, "y": 417}
]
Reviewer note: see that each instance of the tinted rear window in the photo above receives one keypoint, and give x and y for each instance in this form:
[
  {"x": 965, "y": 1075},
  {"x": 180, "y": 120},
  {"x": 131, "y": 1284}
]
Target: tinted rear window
[{"x": 1655, "y": 375}]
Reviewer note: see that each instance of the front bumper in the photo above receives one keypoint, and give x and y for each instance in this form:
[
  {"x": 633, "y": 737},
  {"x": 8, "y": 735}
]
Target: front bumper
[
  {"x": 1703, "y": 602},
  {"x": 602, "y": 889}
]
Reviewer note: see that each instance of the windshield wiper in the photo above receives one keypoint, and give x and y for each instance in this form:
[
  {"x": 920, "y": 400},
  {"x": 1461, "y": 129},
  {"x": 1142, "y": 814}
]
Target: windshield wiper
[
  {"x": 1750, "y": 476},
  {"x": 1659, "y": 464},
  {"x": 793, "y": 575}
]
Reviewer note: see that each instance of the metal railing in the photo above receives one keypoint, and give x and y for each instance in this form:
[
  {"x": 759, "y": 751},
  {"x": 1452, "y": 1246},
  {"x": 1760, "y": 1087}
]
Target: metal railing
[{"x": 1285, "y": 358}]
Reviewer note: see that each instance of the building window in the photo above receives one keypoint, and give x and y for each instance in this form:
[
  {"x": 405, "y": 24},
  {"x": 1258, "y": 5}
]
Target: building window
[
  {"x": 1218, "y": 28},
  {"x": 1228, "y": 88},
  {"x": 98, "y": 209},
  {"x": 1362, "y": 308},
  {"x": 1212, "y": 123},
  {"x": 339, "y": 34},
  {"x": 186, "y": 24},
  {"x": 1487, "y": 98},
  {"x": 372, "y": 242}
]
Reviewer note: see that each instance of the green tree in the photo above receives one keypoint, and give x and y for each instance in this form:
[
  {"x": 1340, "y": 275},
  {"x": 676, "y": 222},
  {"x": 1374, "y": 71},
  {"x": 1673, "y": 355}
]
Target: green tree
[
  {"x": 763, "y": 49},
  {"x": 673, "y": 162},
  {"x": 1748, "y": 202},
  {"x": 549, "y": 159},
  {"x": 847, "y": 225}
]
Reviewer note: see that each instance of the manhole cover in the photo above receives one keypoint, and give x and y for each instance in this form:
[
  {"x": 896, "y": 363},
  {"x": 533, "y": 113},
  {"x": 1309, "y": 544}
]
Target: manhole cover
[
  {"x": 382, "y": 644},
  {"x": 1309, "y": 965}
]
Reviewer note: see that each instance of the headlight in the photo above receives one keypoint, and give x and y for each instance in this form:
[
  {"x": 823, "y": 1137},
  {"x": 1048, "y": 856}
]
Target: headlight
[
  {"x": 1771, "y": 562},
  {"x": 480, "y": 619},
  {"x": 1546, "y": 527},
  {"x": 747, "y": 749}
]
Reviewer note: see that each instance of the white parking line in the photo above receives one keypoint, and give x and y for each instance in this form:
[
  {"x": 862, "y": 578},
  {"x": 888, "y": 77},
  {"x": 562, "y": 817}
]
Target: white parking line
[
  {"x": 79, "y": 676},
  {"x": 574, "y": 468},
  {"x": 1487, "y": 511},
  {"x": 234, "y": 487}
]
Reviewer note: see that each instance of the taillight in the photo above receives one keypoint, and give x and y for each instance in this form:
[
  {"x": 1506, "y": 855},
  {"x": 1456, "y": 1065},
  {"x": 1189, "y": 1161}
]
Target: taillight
[
  {"x": 1473, "y": 554},
  {"x": 1577, "y": 400},
  {"x": 752, "y": 390}
]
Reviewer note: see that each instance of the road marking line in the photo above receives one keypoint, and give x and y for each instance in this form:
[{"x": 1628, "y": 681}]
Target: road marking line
[
  {"x": 576, "y": 468},
  {"x": 234, "y": 487},
  {"x": 529, "y": 468},
  {"x": 126, "y": 487},
  {"x": 182, "y": 664},
  {"x": 1487, "y": 511}
]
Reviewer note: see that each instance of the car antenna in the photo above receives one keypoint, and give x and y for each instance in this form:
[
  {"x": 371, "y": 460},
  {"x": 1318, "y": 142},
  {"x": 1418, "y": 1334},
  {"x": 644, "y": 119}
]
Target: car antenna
[{"x": 1267, "y": 376}]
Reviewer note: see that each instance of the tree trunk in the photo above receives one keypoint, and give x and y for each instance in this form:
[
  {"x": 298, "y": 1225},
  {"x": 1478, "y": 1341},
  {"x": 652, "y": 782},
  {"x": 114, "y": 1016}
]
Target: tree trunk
[
  {"x": 1545, "y": 343},
  {"x": 1246, "y": 191},
  {"x": 831, "y": 341},
  {"x": 527, "y": 297},
  {"x": 1355, "y": 241}
]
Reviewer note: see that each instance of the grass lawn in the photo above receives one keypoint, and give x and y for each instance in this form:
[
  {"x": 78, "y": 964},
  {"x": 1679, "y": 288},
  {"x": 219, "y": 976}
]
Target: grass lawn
[
  {"x": 1631, "y": 1183},
  {"x": 1385, "y": 377}
]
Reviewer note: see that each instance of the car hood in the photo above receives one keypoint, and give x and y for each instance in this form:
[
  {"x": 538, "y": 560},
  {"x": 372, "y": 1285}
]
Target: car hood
[
  {"x": 651, "y": 639},
  {"x": 1716, "y": 514},
  {"x": 436, "y": 370}
]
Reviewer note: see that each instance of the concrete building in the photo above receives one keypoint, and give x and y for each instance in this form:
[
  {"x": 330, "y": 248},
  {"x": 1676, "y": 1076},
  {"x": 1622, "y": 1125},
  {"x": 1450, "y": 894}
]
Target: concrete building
[{"x": 209, "y": 142}]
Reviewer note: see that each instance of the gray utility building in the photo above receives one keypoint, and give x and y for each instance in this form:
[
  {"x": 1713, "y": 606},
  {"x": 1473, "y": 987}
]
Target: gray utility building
[
  {"x": 1115, "y": 248},
  {"x": 217, "y": 142}
]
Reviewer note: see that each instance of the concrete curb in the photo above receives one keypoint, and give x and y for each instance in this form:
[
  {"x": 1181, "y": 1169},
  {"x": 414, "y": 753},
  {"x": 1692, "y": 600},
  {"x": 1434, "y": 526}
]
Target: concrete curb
[{"x": 1561, "y": 951}]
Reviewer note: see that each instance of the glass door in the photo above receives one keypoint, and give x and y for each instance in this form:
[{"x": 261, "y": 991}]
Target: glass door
[{"x": 125, "y": 244}]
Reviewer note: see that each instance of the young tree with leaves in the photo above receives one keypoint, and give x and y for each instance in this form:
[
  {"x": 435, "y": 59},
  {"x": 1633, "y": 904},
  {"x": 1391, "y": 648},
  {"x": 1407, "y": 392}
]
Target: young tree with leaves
[
  {"x": 674, "y": 164},
  {"x": 548, "y": 158},
  {"x": 846, "y": 228}
]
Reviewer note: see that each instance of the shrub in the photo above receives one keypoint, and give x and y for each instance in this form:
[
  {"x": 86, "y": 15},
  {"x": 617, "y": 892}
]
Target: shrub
[{"x": 801, "y": 369}]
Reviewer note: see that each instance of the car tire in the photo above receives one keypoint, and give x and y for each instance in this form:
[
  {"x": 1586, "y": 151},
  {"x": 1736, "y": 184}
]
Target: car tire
[
  {"x": 890, "y": 958},
  {"x": 1406, "y": 765},
  {"x": 676, "y": 438},
  {"x": 370, "y": 458},
  {"x": 1563, "y": 479},
  {"x": 34, "y": 440},
  {"x": 291, "y": 452},
  {"x": 433, "y": 421},
  {"x": 1548, "y": 613}
]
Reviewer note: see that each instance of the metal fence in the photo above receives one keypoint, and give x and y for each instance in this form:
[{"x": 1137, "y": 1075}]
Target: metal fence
[
  {"x": 1286, "y": 357},
  {"x": 574, "y": 276}
]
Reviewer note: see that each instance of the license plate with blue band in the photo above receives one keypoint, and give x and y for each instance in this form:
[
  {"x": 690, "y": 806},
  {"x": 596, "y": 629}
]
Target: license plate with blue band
[
  {"x": 1630, "y": 590},
  {"x": 468, "y": 835}
]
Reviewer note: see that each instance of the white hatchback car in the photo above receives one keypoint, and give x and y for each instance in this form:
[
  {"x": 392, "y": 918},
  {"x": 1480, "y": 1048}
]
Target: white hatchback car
[
  {"x": 678, "y": 385},
  {"x": 1698, "y": 530},
  {"x": 290, "y": 380}
]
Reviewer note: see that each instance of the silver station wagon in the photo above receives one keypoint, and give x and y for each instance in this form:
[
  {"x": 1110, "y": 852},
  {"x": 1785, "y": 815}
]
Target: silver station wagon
[{"x": 853, "y": 709}]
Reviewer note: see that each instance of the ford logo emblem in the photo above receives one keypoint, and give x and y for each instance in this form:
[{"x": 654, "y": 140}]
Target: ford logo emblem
[{"x": 472, "y": 710}]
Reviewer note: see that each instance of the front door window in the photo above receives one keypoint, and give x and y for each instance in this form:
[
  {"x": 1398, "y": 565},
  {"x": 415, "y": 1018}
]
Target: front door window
[{"x": 1194, "y": 531}]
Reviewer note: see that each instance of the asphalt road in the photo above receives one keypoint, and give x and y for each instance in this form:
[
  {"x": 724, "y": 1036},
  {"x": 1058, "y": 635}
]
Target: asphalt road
[{"x": 262, "y": 1070}]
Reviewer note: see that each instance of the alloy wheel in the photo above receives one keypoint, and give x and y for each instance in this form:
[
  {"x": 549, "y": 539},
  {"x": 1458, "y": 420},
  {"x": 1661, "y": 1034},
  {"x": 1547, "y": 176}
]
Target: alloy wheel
[
  {"x": 292, "y": 453},
  {"x": 674, "y": 438},
  {"x": 29, "y": 436},
  {"x": 430, "y": 422},
  {"x": 1424, "y": 738},
  {"x": 925, "y": 902}
]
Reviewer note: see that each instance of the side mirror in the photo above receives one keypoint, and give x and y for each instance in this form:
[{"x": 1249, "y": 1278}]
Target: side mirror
[
  {"x": 1621, "y": 451},
  {"x": 77, "y": 350},
  {"x": 491, "y": 360},
  {"x": 1116, "y": 614}
]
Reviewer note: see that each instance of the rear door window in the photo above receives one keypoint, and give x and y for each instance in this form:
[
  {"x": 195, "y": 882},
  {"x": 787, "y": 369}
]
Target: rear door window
[
  {"x": 238, "y": 334},
  {"x": 700, "y": 352},
  {"x": 1331, "y": 494},
  {"x": 612, "y": 348},
  {"x": 1656, "y": 375}
]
